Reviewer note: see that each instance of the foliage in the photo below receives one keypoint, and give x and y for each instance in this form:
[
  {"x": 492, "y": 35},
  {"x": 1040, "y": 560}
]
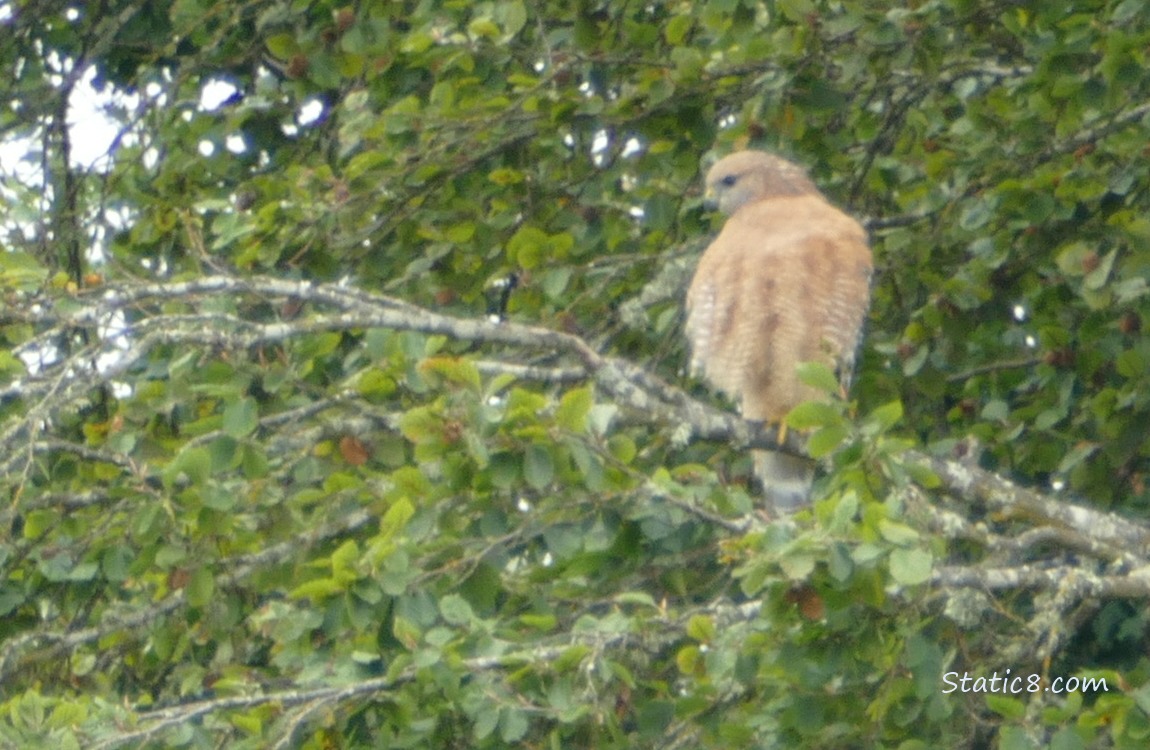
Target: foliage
[{"x": 276, "y": 479}]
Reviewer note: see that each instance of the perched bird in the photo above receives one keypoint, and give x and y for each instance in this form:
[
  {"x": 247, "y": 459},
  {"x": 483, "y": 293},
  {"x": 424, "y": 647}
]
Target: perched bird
[{"x": 786, "y": 281}]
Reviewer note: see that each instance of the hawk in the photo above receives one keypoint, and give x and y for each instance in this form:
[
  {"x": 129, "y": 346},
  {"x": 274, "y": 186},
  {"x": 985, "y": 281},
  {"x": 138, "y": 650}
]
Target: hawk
[{"x": 786, "y": 281}]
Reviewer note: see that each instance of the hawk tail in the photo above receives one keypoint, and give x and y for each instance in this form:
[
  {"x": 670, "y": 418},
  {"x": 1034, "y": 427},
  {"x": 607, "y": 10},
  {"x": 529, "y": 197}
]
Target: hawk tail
[{"x": 786, "y": 480}]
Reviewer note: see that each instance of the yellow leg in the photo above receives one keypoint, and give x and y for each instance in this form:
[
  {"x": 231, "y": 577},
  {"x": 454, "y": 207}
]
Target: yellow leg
[{"x": 782, "y": 438}]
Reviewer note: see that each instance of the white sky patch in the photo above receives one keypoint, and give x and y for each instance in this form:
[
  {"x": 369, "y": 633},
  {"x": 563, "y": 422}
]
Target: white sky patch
[
  {"x": 58, "y": 64},
  {"x": 39, "y": 359},
  {"x": 599, "y": 144},
  {"x": 114, "y": 330},
  {"x": 21, "y": 159},
  {"x": 214, "y": 93},
  {"x": 1031, "y": 342},
  {"x": 236, "y": 144},
  {"x": 6, "y": 13},
  {"x": 206, "y": 148},
  {"x": 311, "y": 111},
  {"x": 1019, "y": 313},
  {"x": 93, "y": 132}
]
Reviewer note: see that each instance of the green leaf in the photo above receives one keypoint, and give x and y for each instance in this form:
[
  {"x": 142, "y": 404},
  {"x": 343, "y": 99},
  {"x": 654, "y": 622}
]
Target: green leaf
[
  {"x": 457, "y": 370},
  {"x": 689, "y": 659},
  {"x": 513, "y": 724},
  {"x": 622, "y": 448},
  {"x": 1096, "y": 278},
  {"x": 11, "y": 365},
  {"x": 797, "y": 566},
  {"x": 504, "y": 177},
  {"x": 655, "y": 717},
  {"x": 219, "y": 498},
  {"x": 20, "y": 271},
  {"x": 839, "y": 564},
  {"x": 116, "y": 562},
  {"x": 701, "y": 628},
  {"x": 1066, "y": 739},
  {"x": 1126, "y": 11},
  {"x": 677, "y": 29},
  {"x": 85, "y": 571},
  {"x": 797, "y": 11},
  {"x": 811, "y": 414},
  {"x": 484, "y": 28},
  {"x": 344, "y": 561},
  {"x": 1076, "y": 455},
  {"x": 421, "y": 425},
  {"x": 689, "y": 63},
  {"x": 1141, "y": 697},
  {"x": 396, "y": 517},
  {"x": 922, "y": 475},
  {"x": 555, "y": 282},
  {"x": 283, "y": 46},
  {"x": 39, "y": 522},
  {"x": 525, "y": 248},
  {"x": 641, "y": 598},
  {"x": 317, "y": 589},
  {"x": 1072, "y": 258},
  {"x": 241, "y": 418},
  {"x": 911, "y": 567},
  {"x": 486, "y": 723},
  {"x": 1131, "y": 363},
  {"x": 571, "y": 658},
  {"x": 191, "y": 464},
  {"x": 1004, "y": 705},
  {"x": 818, "y": 375},
  {"x": 513, "y": 16},
  {"x": 542, "y": 623},
  {"x": 254, "y": 462},
  {"x": 897, "y": 533},
  {"x": 823, "y": 442},
  {"x": 886, "y": 416},
  {"x": 201, "y": 587},
  {"x": 538, "y": 467},
  {"x": 574, "y": 409},
  {"x": 455, "y": 610}
]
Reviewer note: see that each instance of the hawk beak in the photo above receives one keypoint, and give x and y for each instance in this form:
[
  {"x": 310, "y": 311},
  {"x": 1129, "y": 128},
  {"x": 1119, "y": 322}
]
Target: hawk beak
[{"x": 710, "y": 200}]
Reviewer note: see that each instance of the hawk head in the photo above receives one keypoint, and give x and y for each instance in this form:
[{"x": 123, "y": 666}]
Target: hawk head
[{"x": 747, "y": 176}]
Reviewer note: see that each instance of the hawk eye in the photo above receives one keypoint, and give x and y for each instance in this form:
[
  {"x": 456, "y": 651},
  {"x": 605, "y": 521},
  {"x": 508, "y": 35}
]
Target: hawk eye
[{"x": 728, "y": 180}]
